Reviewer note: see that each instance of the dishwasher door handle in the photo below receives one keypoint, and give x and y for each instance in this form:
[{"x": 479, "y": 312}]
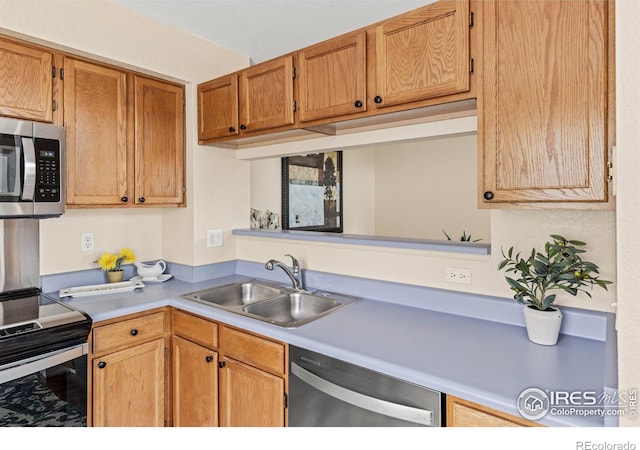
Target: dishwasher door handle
[{"x": 376, "y": 405}]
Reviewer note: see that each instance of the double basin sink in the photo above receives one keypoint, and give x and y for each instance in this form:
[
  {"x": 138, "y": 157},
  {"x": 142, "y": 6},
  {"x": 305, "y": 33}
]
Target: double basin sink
[{"x": 270, "y": 302}]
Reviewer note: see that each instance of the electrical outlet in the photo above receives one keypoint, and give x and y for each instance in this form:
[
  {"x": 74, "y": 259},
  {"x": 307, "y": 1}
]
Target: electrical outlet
[
  {"x": 214, "y": 238},
  {"x": 457, "y": 275},
  {"x": 86, "y": 242}
]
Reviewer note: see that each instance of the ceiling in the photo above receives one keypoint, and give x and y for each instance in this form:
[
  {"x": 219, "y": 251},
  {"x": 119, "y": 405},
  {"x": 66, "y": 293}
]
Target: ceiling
[{"x": 264, "y": 29}]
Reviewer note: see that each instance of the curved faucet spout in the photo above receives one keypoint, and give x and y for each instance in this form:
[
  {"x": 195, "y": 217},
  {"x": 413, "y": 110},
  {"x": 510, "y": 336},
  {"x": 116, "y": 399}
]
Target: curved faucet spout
[{"x": 294, "y": 274}]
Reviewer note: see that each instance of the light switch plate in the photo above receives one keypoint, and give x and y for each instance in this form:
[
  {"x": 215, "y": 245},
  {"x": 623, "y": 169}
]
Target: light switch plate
[{"x": 214, "y": 238}]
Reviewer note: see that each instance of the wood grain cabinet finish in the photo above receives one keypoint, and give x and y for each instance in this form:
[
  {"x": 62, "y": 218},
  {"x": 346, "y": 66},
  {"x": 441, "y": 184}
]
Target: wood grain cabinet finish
[
  {"x": 463, "y": 413},
  {"x": 542, "y": 118},
  {"x": 125, "y": 138},
  {"x": 422, "y": 54},
  {"x": 95, "y": 117},
  {"x": 332, "y": 77},
  {"x": 26, "y": 87},
  {"x": 218, "y": 108},
  {"x": 266, "y": 95},
  {"x": 128, "y": 372},
  {"x": 225, "y": 376},
  {"x": 195, "y": 385},
  {"x": 250, "y": 397},
  {"x": 159, "y": 143}
]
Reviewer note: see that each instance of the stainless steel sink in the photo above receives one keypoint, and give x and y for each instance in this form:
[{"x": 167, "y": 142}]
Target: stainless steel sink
[
  {"x": 294, "y": 309},
  {"x": 235, "y": 294},
  {"x": 269, "y": 302}
]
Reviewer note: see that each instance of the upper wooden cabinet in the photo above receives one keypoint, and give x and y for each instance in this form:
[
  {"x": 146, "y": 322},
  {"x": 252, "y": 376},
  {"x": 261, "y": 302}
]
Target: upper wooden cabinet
[
  {"x": 218, "y": 108},
  {"x": 422, "y": 54},
  {"x": 26, "y": 76},
  {"x": 159, "y": 142},
  {"x": 332, "y": 77},
  {"x": 125, "y": 138},
  {"x": 543, "y": 116},
  {"x": 266, "y": 95},
  {"x": 409, "y": 62},
  {"x": 95, "y": 117}
]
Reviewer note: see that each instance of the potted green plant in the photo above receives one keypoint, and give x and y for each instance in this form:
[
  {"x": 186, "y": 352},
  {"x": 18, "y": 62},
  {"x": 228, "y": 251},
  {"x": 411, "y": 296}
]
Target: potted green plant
[
  {"x": 560, "y": 267},
  {"x": 110, "y": 263}
]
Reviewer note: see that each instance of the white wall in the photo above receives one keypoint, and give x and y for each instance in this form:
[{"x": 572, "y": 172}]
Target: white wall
[
  {"x": 217, "y": 187},
  {"x": 628, "y": 216}
]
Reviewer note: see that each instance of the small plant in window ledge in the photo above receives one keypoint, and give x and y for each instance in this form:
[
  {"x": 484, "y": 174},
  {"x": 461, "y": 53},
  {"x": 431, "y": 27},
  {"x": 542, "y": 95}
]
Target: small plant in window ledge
[{"x": 464, "y": 238}]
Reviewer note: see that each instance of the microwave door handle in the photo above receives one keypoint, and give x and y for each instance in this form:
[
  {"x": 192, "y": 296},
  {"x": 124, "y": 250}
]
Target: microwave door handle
[
  {"x": 376, "y": 405},
  {"x": 29, "y": 152}
]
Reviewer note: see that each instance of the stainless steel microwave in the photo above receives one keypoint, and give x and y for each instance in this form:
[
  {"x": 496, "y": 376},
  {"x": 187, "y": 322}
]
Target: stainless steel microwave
[{"x": 31, "y": 169}]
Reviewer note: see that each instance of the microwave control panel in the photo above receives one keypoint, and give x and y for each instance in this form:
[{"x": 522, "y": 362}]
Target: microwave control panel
[{"x": 47, "y": 171}]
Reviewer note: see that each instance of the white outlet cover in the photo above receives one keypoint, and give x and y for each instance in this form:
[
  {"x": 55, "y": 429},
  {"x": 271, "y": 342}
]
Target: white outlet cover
[{"x": 214, "y": 238}]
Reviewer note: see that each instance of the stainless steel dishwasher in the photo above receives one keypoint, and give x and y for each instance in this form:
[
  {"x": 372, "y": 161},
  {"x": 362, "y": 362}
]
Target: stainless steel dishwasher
[{"x": 327, "y": 392}]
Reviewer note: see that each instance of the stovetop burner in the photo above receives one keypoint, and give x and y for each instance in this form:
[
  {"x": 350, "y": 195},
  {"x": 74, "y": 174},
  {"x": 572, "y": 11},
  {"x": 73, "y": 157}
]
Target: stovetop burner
[{"x": 32, "y": 323}]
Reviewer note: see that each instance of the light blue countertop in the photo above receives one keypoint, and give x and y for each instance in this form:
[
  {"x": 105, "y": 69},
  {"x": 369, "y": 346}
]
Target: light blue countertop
[{"x": 479, "y": 360}]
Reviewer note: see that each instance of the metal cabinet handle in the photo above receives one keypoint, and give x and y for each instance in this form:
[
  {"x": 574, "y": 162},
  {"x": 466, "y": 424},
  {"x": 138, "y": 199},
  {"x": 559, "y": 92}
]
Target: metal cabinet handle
[
  {"x": 209, "y": 358},
  {"x": 102, "y": 365},
  {"x": 124, "y": 199},
  {"x": 222, "y": 364},
  {"x": 141, "y": 199},
  {"x": 133, "y": 332},
  {"x": 358, "y": 104},
  {"x": 377, "y": 99},
  {"x": 376, "y": 405},
  {"x": 488, "y": 195}
]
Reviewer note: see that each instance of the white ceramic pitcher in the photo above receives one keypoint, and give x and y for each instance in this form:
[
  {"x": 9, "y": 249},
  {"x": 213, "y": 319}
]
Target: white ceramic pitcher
[{"x": 149, "y": 271}]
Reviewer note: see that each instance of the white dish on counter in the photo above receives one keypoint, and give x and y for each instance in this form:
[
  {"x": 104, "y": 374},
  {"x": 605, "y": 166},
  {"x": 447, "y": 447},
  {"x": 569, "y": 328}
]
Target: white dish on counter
[{"x": 159, "y": 279}]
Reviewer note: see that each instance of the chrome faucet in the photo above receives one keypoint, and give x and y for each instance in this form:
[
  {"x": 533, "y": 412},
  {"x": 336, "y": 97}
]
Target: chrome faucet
[{"x": 295, "y": 274}]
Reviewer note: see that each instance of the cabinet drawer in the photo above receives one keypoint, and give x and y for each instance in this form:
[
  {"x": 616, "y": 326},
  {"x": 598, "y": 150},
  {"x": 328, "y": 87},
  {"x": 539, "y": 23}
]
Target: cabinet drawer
[
  {"x": 195, "y": 329},
  {"x": 254, "y": 350},
  {"x": 128, "y": 332}
]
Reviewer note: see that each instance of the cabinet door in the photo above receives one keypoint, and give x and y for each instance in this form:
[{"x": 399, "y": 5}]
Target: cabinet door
[
  {"x": 95, "y": 99},
  {"x": 423, "y": 54},
  {"x": 218, "y": 108},
  {"x": 128, "y": 387},
  {"x": 250, "y": 397},
  {"x": 463, "y": 413},
  {"x": 543, "y": 112},
  {"x": 159, "y": 142},
  {"x": 25, "y": 82},
  {"x": 266, "y": 95},
  {"x": 195, "y": 385},
  {"x": 332, "y": 77}
]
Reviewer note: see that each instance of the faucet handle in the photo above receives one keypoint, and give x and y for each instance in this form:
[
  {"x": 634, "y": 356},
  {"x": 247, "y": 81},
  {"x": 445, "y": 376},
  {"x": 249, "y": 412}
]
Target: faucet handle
[{"x": 294, "y": 261}]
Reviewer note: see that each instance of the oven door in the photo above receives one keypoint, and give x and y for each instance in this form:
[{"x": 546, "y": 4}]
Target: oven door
[{"x": 46, "y": 390}]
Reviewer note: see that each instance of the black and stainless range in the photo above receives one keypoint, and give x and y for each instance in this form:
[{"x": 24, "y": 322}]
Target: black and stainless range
[{"x": 43, "y": 342}]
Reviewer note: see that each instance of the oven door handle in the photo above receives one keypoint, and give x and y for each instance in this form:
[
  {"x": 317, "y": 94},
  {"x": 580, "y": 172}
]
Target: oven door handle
[
  {"x": 42, "y": 362},
  {"x": 376, "y": 405}
]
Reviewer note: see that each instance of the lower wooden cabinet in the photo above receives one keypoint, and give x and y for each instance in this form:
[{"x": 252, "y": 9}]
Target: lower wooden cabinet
[
  {"x": 195, "y": 385},
  {"x": 463, "y": 413},
  {"x": 250, "y": 397},
  {"x": 128, "y": 372},
  {"x": 225, "y": 376}
]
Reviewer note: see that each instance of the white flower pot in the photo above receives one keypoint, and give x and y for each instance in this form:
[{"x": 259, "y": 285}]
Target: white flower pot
[{"x": 543, "y": 327}]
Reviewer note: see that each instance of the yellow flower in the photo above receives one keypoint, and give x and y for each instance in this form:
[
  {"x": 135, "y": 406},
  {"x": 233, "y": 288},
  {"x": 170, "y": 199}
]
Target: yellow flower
[
  {"x": 128, "y": 255},
  {"x": 110, "y": 261},
  {"x": 107, "y": 261}
]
